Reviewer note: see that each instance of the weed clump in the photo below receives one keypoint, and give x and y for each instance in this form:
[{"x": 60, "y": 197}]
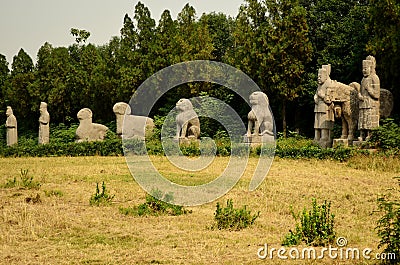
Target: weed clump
[
  {"x": 154, "y": 206},
  {"x": 389, "y": 224},
  {"x": 316, "y": 226},
  {"x": 231, "y": 218},
  {"x": 101, "y": 198},
  {"x": 24, "y": 181}
]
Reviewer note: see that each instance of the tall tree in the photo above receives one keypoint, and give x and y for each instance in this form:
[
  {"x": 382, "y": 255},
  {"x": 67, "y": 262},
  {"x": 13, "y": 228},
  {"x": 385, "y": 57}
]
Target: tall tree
[{"x": 384, "y": 43}]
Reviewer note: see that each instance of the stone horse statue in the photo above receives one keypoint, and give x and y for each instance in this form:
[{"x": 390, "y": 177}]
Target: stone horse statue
[{"x": 345, "y": 100}]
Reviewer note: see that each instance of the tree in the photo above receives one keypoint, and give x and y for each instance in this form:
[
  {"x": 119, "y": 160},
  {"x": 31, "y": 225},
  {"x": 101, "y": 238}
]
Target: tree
[
  {"x": 4, "y": 78},
  {"x": 384, "y": 43},
  {"x": 80, "y": 35},
  {"x": 17, "y": 94}
]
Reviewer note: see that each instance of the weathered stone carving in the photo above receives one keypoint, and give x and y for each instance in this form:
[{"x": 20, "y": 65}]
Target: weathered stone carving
[
  {"x": 88, "y": 131},
  {"x": 260, "y": 126},
  {"x": 131, "y": 126},
  {"x": 386, "y": 103},
  {"x": 44, "y": 124},
  {"x": 324, "y": 113},
  {"x": 368, "y": 99},
  {"x": 187, "y": 121},
  {"x": 11, "y": 125}
]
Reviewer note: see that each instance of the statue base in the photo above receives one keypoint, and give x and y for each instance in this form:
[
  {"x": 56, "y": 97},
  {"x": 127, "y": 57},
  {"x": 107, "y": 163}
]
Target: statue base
[
  {"x": 256, "y": 140},
  {"x": 342, "y": 142}
]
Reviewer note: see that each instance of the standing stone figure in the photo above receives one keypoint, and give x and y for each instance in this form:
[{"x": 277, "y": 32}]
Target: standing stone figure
[
  {"x": 11, "y": 124},
  {"x": 368, "y": 118},
  {"x": 187, "y": 121},
  {"x": 324, "y": 112},
  {"x": 44, "y": 124}
]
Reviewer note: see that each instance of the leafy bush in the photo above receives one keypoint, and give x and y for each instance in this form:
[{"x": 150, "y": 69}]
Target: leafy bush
[
  {"x": 24, "y": 182},
  {"x": 231, "y": 218},
  {"x": 155, "y": 206},
  {"x": 101, "y": 198},
  {"x": 316, "y": 226},
  {"x": 387, "y": 136},
  {"x": 389, "y": 224}
]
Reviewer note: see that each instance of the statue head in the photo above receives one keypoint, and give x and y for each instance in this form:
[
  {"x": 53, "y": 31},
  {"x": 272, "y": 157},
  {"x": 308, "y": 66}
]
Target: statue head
[
  {"x": 43, "y": 107},
  {"x": 122, "y": 108},
  {"x": 322, "y": 76},
  {"x": 367, "y": 67},
  {"x": 259, "y": 98},
  {"x": 85, "y": 114},
  {"x": 9, "y": 111},
  {"x": 184, "y": 105}
]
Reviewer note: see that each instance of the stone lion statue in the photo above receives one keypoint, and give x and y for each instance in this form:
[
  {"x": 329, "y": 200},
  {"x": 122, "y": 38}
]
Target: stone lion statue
[
  {"x": 260, "y": 118},
  {"x": 187, "y": 121},
  {"x": 88, "y": 131}
]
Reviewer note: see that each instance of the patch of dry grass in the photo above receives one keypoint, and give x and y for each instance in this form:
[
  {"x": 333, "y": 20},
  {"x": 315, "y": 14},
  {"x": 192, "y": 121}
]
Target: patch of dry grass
[{"x": 65, "y": 229}]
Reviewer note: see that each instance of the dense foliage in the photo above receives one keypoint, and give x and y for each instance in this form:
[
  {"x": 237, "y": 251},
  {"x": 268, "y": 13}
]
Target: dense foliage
[{"x": 279, "y": 44}]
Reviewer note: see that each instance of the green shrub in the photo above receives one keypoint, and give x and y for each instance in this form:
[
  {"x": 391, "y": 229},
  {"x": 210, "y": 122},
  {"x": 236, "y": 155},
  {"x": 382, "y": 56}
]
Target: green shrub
[
  {"x": 231, "y": 218},
  {"x": 316, "y": 226},
  {"x": 101, "y": 198},
  {"x": 154, "y": 206},
  {"x": 24, "y": 182},
  {"x": 389, "y": 224},
  {"x": 387, "y": 136}
]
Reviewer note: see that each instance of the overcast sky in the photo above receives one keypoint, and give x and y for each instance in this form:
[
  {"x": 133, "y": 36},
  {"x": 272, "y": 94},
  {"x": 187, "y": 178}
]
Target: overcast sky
[{"x": 29, "y": 24}]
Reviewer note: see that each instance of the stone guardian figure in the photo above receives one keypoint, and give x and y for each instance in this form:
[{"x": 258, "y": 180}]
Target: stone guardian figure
[
  {"x": 324, "y": 112},
  {"x": 11, "y": 125},
  {"x": 368, "y": 118},
  {"x": 44, "y": 124}
]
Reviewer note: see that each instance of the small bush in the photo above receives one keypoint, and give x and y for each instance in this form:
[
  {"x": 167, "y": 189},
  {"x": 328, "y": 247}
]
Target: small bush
[
  {"x": 387, "y": 136},
  {"x": 24, "y": 182},
  {"x": 155, "y": 207},
  {"x": 231, "y": 218},
  {"x": 389, "y": 224},
  {"x": 316, "y": 226},
  {"x": 101, "y": 198},
  {"x": 53, "y": 193}
]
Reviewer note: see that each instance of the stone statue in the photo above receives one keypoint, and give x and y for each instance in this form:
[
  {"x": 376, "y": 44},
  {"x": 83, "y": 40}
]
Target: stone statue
[
  {"x": 11, "y": 125},
  {"x": 368, "y": 99},
  {"x": 345, "y": 100},
  {"x": 324, "y": 113},
  {"x": 386, "y": 103},
  {"x": 259, "y": 118},
  {"x": 131, "y": 126},
  {"x": 88, "y": 131},
  {"x": 187, "y": 121},
  {"x": 44, "y": 124}
]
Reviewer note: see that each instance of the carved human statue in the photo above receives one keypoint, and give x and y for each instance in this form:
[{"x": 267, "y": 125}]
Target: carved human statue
[
  {"x": 187, "y": 121},
  {"x": 368, "y": 118},
  {"x": 11, "y": 125},
  {"x": 324, "y": 112},
  {"x": 44, "y": 124}
]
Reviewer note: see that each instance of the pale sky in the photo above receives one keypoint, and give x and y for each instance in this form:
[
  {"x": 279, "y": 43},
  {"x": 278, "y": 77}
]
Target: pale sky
[{"x": 28, "y": 24}]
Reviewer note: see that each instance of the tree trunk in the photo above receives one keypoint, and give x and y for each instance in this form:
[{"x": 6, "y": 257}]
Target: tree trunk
[{"x": 284, "y": 118}]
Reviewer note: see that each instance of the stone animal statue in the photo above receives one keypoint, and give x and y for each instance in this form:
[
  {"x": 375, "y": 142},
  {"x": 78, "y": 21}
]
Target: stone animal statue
[
  {"x": 88, "y": 131},
  {"x": 259, "y": 118},
  {"x": 131, "y": 126},
  {"x": 187, "y": 121},
  {"x": 345, "y": 100}
]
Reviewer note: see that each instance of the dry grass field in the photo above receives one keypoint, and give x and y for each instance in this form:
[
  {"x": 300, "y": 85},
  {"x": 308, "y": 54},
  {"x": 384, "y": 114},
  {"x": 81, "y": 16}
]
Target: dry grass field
[{"x": 64, "y": 229}]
